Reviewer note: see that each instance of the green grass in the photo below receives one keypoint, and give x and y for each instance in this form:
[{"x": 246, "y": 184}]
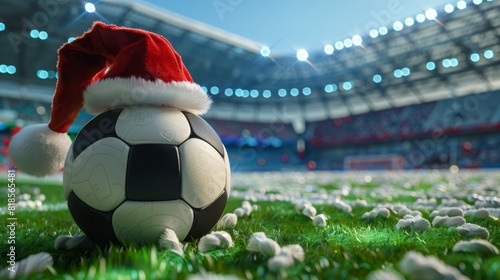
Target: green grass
[{"x": 348, "y": 248}]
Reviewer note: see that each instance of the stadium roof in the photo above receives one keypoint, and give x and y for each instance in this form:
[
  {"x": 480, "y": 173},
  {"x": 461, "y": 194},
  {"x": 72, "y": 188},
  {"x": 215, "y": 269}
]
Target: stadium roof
[{"x": 438, "y": 54}]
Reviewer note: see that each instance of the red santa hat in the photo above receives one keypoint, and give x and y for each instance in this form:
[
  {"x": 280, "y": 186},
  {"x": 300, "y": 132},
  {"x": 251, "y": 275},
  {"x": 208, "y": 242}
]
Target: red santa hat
[{"x": 107, "y": 67}]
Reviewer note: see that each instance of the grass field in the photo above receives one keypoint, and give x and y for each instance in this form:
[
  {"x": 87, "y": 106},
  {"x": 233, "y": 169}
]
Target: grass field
[{"x": 349, "y": 247}]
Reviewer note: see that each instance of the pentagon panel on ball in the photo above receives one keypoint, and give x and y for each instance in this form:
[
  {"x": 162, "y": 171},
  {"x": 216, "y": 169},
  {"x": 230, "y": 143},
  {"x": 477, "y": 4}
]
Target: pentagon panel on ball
[{"x": 133, "y": 172}]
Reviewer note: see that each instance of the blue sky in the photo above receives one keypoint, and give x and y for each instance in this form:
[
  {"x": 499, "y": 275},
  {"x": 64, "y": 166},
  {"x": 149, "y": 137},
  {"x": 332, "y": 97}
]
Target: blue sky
[{"x": 286, "y": 26}]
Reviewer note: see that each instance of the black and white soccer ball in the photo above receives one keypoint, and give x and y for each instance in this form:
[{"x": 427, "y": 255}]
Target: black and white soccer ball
[{"x": 133, "y": 172}]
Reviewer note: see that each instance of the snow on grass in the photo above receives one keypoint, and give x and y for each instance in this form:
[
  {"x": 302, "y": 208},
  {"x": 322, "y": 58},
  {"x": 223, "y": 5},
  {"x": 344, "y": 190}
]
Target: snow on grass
[
  {"x": 28, "y": 266},
  {"x": 417, "y": 266},
  {"x": 472, "y": 231},
  {"x": 228, "y": 221},
  {"x": 481, "y": 246},
  {"x": 215, "y": 240}
]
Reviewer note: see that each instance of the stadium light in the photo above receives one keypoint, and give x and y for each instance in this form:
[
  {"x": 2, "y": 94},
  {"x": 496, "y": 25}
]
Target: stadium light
[
  {"x": 377, "y": 78},
  {"x": 453, "y": 62},
  {"x": 306, "y": 91},
  {"x": 461, "y": 5},
  {"x": 246, "y": 93},
  {"x": 328, "y": 49},
  {"x": 383, "y": 30},
  {"x": 228, "y": 92},
  {"x": 397, "y": 26},
  {"x": 357, "y": 40},
  {"x": 214, "y": 90},
  {"x": 282, "y": 92},
  {"x": 266, "y": 93},
  {"x": 374, "y": 33},
  {"x": 398, "y": 73},
  {"x": 238, "y": 92},
  {"x": 477, "y": 2},
  {"x": 474, "y": 57},
  {"x": 347, "y": 43},
  {"x": 43, "y": 35},
  {"x": 3, "y": 68},
  {"x": 71, "y": 39},
  {"x": 430, "y": 14},
  {"x": 409, "y": 21},
  {"x": 334, "y": 88},
  {"x": 90, "y": 8},
  {"x": 2, "y": 26},
  {"x": 302, "y": 55},
  {"x": 254, "y": 93},
  {"x": 34, "y": 33},
  {"x": 430, "y": 65},
  {"x": 40, "y": 110},
  {"x": 204, "y": 89},
  {"x": 446, "y": 63},
  {"x": 347, "y": 85},
  {"x": 449, "y": 8},
  {"x": 11, "y": 69},
  {"x": 339, "y": 45},
  {"x": 294, "y": 92},
  {"x": 488, "y": 54},
  {"x": 42, "y": 74},
  {"x": 265, "y": 51},
  {"x": 420, "y": 18},
  {"x": 329, "y": 89},
  {"x": 405, "y": 71}
]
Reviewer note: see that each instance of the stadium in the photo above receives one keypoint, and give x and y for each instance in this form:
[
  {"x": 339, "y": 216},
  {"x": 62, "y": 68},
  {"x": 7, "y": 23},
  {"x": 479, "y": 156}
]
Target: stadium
[{"x": 404, "y": 117}]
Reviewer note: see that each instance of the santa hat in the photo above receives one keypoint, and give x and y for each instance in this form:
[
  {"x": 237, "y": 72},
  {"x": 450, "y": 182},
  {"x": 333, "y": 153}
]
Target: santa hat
[{"x": 107, "y": 67}]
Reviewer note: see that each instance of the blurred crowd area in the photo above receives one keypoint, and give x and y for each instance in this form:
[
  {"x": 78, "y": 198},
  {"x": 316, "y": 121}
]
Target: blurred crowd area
[{"x": 463, "y": 131}]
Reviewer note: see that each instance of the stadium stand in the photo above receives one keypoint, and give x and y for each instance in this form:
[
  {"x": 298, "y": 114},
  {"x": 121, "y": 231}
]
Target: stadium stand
[
  {"x": 428, "y": 93},
  {"x": 470, "y": 113},
  {"x": 426, "y": 135}
]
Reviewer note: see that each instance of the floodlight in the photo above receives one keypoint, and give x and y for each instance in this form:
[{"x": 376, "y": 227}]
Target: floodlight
[
  {"x": 89, "y": 7},
  {"x": 302, "y": 55}
]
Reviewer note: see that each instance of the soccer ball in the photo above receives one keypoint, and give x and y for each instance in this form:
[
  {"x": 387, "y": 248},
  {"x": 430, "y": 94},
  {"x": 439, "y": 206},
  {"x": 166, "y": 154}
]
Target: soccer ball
[{"x": 133, "y": 172}]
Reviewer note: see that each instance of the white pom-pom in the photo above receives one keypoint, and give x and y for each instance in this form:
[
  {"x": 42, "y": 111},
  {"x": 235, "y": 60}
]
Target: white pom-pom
[
  {"x": 421, "y": 224},
  {"x": 404, "y": 223},
  {"x": 446, "y": 221},
  {"x": 279, "y": 262},
  {"x": 477, "y": 245},
  {"x": 239, "y": 212},
  {"x": 259, "y": 243},
  {"x": 208, "y": 243},
  {"x": 215, "y": 240},
  {"x": 39, "y": 151},
  {"x": 319, "y": 220},
  {"x": 68, "y": 242},
  {"x": 247, "y": 207},
  {"x": 309, "y": 211},
  {"x": 225, "y": 239},
  {"x": 169, "y": 240},
  {"x": 228, "y": 221},
  {"x": 295, "y": 250},
  {"x": 472, "y": 230},
  {"x": 31, "y": 264},
  {"x": 269, "y": 248},
  {"x": 417, "y": 266},
  {"x": 286, "y": 258},
  {"x": 255, "y": 240}
]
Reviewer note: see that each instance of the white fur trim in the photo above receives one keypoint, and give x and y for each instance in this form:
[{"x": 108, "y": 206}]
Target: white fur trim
[
  {"x": 39, "y": 151},
  {"x": 112, "y": 93}
]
